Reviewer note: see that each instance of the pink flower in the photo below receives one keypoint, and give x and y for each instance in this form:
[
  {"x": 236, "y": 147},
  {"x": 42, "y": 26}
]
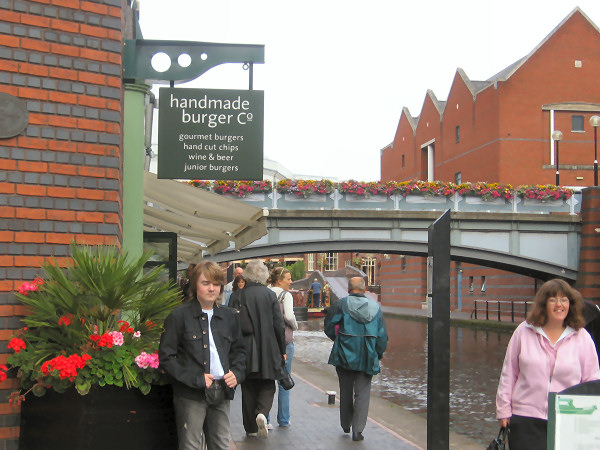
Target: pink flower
[
  {"x": 117, "y": 337},
  {"x": 145, "y": 360},
  {"x": 137, "y": 334}
]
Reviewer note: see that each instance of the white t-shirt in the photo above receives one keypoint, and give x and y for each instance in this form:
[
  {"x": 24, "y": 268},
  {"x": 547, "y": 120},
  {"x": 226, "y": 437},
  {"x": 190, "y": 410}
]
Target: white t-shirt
[{"x": 216, "y": 368}]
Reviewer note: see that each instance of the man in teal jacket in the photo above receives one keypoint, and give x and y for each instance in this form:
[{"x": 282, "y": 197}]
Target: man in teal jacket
[{"x": 355, "y": 325}]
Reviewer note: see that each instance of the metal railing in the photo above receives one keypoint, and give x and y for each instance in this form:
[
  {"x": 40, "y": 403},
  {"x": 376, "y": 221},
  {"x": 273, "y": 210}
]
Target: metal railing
[{"x": 499, "y": 309}]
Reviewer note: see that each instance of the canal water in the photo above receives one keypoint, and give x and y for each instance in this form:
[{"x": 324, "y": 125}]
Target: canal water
[{"x": 476, "y": 358}]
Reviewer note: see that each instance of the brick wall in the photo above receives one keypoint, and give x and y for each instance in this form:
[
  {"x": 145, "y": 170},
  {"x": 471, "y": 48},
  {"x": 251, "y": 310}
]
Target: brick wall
[{"x": 60, "y": 180}]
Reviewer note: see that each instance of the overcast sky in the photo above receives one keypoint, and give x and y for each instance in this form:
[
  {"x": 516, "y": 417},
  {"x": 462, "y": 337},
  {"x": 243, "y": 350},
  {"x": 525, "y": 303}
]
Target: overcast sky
[{"x": 338, "y": 72}]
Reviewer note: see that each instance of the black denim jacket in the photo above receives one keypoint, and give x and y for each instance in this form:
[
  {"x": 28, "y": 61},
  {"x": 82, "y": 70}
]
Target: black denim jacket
[{"x": 184, "y": 347}]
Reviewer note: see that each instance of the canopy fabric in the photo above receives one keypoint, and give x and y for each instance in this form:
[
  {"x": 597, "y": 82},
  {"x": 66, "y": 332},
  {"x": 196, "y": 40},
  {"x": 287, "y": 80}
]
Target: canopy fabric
[{"x": 203, "y": 221}]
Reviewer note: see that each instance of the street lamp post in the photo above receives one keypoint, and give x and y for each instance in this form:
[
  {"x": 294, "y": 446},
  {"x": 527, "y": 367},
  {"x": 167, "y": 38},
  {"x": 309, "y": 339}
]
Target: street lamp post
[
  {"x": 595, "y": 121},
  {"x": 557, "y": 136}
]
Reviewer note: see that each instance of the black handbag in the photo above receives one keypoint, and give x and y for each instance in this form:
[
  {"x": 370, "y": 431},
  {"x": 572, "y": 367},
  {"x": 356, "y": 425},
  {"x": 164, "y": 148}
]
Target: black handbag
[
  {"x": 500, "y": 442},
  {"x": 287, "y": 382}
]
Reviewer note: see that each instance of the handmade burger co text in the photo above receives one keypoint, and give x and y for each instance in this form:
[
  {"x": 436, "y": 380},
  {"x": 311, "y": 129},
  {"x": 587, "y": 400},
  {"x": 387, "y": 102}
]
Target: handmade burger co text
[
  {"x": 188, "y": 105},
  {"x": 210, "y": 134}
]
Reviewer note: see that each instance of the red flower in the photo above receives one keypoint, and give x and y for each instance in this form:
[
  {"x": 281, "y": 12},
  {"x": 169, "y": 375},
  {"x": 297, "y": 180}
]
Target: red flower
[
  {"x": 17, "y": 344},
  {"x": 124, "y": 325},
  {"x": 65, "y": 320},
  {"x": 66, "y": 367}
]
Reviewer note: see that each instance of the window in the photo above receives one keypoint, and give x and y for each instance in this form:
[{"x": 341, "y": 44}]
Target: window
[
  {"x": 458, "y": 177},
  {"x": 458, "y": 133},
  {"x": 403, "y": 161},
  {"x": 403, "y": 263},
  {"x": 311, "y": 262},
  {"x": 471, "y": 287},
  {"x": 576, "y": 123},
  {"x": 483, "y": 284},
  {"x": 368, "y": 267},
  {"x": 331, "y": 261}
]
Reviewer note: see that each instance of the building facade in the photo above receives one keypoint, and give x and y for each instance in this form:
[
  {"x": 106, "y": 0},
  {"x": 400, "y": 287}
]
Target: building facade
[
  {"x": 500, "y": 130},
  {"x": 60, "y": 178}
]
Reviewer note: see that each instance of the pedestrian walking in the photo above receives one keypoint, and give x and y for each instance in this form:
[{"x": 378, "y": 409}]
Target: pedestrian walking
[
  {"x": 203, "y": 352},
  {"x": 549, "y": 352},
  {"x": 355, "y": 325},
  {"x": 280, "y": 281},
  {"x": 265, "y": 342}
]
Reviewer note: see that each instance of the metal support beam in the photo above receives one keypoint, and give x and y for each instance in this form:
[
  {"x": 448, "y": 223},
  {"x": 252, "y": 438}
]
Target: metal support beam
[{"x": 203, "y": 56}]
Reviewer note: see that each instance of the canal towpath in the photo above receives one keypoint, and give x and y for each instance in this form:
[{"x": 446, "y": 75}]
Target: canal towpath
[{"x": 315, "y": 423}]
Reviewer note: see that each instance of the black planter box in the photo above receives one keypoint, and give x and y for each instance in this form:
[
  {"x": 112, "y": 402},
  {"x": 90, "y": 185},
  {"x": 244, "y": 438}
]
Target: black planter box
[{"x": 108, "y": 417}]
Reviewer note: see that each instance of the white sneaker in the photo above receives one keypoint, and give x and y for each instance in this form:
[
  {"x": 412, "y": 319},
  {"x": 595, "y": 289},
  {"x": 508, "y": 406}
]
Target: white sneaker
[
  {"x": 269, "y": 426},
  {"x": 261, "y": 421}
]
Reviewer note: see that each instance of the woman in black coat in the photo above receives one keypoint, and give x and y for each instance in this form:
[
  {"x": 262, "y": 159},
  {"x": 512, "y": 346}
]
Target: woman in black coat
[{"x": 265, "y": 349}]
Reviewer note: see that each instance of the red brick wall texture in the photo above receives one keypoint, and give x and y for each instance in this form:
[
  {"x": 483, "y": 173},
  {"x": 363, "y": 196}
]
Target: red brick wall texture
[{"x": 60, "y": 178}]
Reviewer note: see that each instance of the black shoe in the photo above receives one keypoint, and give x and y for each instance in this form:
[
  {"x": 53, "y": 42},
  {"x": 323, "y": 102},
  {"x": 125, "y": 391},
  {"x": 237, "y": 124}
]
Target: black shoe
[
  {"x": 358, "y": 436},
  {"x": 346, "y": 429}
]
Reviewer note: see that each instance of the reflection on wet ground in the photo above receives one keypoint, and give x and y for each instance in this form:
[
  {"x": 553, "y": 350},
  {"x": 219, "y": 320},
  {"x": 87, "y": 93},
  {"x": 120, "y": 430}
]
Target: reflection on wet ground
[{"x": 475, "y": 363}]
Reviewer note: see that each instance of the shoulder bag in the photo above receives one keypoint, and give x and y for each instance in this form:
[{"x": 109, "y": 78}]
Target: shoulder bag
[
  {"x": 289, "y": 333},
  {"x": 286, "y": 382},
  {"x": 244, "y": 317}
]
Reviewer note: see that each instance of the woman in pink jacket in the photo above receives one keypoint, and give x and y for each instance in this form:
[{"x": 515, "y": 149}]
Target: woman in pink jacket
[{"x": 549, "y": 352}]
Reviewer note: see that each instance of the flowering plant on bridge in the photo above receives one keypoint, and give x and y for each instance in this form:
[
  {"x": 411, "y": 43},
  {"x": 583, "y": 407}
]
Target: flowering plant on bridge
[
  {"x": 544, "y": 192},
  {"x": 95, "y": 322},
  {"x": 241, "y": 188},
  {"x": 487, "y": 191},
  {"x": 366, "y": 189},
  {"x": 305, "y": 188},
  {"x": 405, "y": 188},
  {"x": 202, "y": 184}
]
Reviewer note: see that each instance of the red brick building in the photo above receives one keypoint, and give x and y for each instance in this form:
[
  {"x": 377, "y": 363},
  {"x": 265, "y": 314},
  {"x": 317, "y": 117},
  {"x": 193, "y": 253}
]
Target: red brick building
[
  {"x": 499, "y": 130},
  {"x": 60, "y": 179}
]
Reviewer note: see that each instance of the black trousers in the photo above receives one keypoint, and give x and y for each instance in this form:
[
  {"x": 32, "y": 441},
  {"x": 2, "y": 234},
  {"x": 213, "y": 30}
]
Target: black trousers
[
  {"x": 527, "y": 433},
  {"x": 257, "y": 398}
]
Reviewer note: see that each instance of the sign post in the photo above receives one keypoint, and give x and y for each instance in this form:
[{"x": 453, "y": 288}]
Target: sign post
[{"x": 438, "y": 333}]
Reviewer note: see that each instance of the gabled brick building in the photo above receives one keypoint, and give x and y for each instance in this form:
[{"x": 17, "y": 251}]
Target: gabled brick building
[{"x": 499, "y": 130}]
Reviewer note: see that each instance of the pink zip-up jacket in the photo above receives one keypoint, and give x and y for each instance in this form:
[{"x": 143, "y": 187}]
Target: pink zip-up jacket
[{"x": 533, "y": 367}]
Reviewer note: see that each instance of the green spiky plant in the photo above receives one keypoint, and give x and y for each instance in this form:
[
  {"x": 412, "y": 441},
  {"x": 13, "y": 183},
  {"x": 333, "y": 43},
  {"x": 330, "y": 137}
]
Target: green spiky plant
[{"x": 89, "y": 322}]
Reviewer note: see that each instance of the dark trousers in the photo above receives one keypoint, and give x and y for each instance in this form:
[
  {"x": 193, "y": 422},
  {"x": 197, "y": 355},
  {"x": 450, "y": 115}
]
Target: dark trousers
[
  {"x": 257, "y": 398},
  {"x": 355, "y": 396},
  {"x": 316, "y": 300},
  {"x": 527, "y": 433}
]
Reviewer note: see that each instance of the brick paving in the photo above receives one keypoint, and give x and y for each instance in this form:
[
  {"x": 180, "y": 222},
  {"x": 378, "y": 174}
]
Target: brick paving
[{"x": 315, "y": 425}]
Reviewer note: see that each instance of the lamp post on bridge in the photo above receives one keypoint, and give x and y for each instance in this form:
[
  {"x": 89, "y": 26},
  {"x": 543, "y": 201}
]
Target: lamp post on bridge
[
  {"x": 557, "y": 136},
  {"x": 594, "y": 122}
]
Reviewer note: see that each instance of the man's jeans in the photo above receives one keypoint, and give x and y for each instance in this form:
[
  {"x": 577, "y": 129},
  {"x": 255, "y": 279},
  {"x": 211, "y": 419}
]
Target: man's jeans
[
  {"x": 283, "y": 397},
  {"x": 190, "y": 416}
]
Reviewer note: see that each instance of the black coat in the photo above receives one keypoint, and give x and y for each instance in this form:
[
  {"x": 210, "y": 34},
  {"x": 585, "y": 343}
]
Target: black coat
[
  {"x": 267, "y": 345},
  {"x": 184, "y": 347}
]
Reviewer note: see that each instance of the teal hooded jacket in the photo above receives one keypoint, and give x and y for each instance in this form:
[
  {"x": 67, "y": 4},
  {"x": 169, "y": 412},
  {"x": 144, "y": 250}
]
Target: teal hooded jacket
[{"x": 361, "y": 338}]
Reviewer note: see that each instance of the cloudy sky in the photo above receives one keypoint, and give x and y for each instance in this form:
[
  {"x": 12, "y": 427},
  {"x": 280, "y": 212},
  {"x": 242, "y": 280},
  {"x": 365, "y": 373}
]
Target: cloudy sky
[{"x": 338, "y": 72}]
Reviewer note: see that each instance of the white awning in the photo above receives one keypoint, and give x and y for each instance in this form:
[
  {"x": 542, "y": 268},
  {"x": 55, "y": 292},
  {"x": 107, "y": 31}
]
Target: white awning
[{"x": 203, "y": 221}]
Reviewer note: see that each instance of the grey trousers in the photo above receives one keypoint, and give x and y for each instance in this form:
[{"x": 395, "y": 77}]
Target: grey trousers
[
  {"x": 355, "y": 395},
  {"x": 191, "y": 415}
]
